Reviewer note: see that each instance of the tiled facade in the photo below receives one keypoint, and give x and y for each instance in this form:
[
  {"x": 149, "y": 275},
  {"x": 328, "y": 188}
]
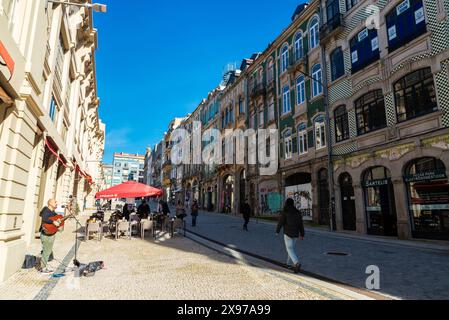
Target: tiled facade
[{"x": 333, "y": 87}]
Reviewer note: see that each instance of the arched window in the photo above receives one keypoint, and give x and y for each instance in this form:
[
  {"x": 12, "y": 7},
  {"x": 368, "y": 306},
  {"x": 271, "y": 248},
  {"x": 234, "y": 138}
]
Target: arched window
[
  {"x": 302, "y": 139},
  {"x": 320, "y": 133},
  {"x": 405, "y": 23},
  {"x": 341, "y": 124},
  {"x": 288, "y": 144},
  {"x": 370, "y": 111},
  {"x": 415, "y": 95},
  {"x": 299, "y": 50},
  {"x": 337, "y": 64},
  {"x": 284, "y": 59},
  {"x": 314, "y": 33},
  {"x": 364, "y": 49},
  {"x": 317, "y": 76}
]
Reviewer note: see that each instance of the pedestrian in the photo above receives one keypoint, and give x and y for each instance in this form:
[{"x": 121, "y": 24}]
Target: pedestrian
[
  {"x": 48, "y": 240},
  {"x": 143, "y": 210},
  {"x": 292, "y": 222},
  {"x": 246, "y": 212},
  {"x": 180, "y": 211},
  {"x": 195, "y": 209},
  {"x": 163, "y": 208}
]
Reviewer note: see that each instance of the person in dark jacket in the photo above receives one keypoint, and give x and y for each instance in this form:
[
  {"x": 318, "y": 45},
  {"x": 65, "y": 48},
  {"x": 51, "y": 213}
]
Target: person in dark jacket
[
  {"x": 126, "y": 212},
  {"x": 143, "y": 211},
  {"x": 195, "y": 209},
  {"x": 246, "y": 212},
  {"x": 292, "y": 223}
]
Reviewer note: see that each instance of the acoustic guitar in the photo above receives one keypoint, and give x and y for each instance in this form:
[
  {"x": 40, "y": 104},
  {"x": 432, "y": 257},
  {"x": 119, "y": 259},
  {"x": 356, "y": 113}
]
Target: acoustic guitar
[{"x": 51, "y": 229}]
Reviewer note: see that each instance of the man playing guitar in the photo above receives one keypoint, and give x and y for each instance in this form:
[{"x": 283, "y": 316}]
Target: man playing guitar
[{"x": 50, "y": 221}]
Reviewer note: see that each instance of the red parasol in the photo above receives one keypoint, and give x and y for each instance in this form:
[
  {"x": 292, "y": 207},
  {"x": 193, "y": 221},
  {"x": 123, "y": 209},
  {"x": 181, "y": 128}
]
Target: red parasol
[{"x": 130, "y": 189}]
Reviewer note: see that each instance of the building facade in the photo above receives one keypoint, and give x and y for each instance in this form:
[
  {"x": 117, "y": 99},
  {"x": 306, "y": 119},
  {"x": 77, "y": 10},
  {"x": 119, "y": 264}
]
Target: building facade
[
  {"x": 128, "y": 167},
  {"x": 358, "y": 92},
  {"x": 52, "y": 139}
]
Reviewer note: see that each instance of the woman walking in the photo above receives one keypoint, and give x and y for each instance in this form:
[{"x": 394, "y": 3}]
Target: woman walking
[{"x": 292, "y": 223}]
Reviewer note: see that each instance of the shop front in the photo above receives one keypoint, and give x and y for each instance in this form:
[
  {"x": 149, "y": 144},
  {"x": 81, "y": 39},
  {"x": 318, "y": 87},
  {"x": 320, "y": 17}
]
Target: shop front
[
  {"x": 270, "y": 197},
  {"x": 299, "y": 188},
  {"x": 380, "y": 205},
  {"x": 428, "y": 198},
  {"x": 227, "y": 197}
]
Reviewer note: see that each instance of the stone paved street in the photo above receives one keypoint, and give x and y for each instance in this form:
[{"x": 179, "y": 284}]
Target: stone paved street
[
  {"x": 409, "y": 269},
  {"x": 174, "y": 269}
]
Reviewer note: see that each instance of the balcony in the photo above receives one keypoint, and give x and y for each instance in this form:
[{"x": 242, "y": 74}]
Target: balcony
[
  {"x": 258, "y": 90},
  {"x": 297, "y": 62},
  {"x": 333, "y": 26}
]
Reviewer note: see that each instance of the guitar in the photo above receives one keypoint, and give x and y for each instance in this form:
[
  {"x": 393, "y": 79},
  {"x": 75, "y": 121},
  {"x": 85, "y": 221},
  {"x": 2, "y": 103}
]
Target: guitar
[{"x": 51, "y": 229}]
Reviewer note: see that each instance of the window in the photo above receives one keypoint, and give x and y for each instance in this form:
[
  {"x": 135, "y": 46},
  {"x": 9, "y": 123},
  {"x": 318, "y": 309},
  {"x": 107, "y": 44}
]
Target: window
[
  {"x": 52, "y": 110},
  {"x": 299, "y": 50},
  {"x": 405, "y": 23},
  {"x": 271, "y": 109},
  {"x": 231, "y": 114},
  {"x": 314, "y": 33},
  {"x": 332, "y": 11},
  {"x": 364, "y": 49},
  {"x": 300, "y": 90},
  {"x": 317, "y": 76},
  {"x": 270, "y": 72},
  {"x": 241, "y": 106},
  {"x": 320, "y": 133},
  {"x": 337, "y": 64},
  {"x": 284, "y": 59},
  {"x": 302, "y": 139},
  {"x": 350, "y": 4},
  {"x": 341, "y": 124},
  {"x": 370, "y": 111},
  {"x": 286, "y": 100},
  {"x": 261, "y": 118},
  {"x": 288, "y": 144},
  {"x": 415, "y": 95}
]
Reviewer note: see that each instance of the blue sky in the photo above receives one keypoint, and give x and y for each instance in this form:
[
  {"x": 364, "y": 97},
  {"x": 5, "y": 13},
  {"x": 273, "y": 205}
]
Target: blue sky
[{"x": 158, "y": 59}]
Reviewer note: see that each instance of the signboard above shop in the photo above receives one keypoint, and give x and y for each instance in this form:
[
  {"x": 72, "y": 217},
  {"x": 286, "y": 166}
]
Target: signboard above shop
[{"x": 425, "y": 176}]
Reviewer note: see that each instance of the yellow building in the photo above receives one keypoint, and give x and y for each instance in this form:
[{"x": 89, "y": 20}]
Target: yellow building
[{"x": 51, "y": 137}]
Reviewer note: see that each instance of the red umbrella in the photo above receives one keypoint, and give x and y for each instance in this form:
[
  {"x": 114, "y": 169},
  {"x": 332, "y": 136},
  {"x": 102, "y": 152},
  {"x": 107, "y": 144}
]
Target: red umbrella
[{"x": 130, "y": 189}]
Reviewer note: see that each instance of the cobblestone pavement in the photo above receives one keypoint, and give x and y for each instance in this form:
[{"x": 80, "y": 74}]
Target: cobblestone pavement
[
  {"x": 175, "y": 269},
  {"x": 409, "y": 269}
]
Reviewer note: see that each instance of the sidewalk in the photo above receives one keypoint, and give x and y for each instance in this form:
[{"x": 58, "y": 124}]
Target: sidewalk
[{"x": 409, "y": 269}]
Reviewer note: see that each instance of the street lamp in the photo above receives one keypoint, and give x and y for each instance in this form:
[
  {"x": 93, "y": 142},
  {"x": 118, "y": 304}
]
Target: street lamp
[
  {"x": 329, "y": 147},
  {"x": 97, "y": 7}
]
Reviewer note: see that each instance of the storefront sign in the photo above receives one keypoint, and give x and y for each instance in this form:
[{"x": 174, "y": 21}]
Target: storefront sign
[
  {"x": 377, "y": 183},
  {"x": 425, "y": 176}
]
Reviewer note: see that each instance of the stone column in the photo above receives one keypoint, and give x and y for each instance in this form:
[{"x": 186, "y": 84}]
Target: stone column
[
  {"x": 315, "y": 197},
  {"x": 360, "y": 210},
  {"x": 402, "y": 212},
  {"x": 338, "y": 208}
]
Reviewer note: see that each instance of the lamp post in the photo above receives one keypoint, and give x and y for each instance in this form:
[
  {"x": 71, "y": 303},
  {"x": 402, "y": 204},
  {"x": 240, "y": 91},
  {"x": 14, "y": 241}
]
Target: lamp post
[
  {"x": 329, "y": 143},
  {"x": 97, "y": 7}
]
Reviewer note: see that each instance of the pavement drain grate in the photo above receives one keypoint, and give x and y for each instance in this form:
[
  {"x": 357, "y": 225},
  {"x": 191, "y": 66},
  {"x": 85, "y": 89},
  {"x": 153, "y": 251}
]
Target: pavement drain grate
[{"x": 340, "y": 254}]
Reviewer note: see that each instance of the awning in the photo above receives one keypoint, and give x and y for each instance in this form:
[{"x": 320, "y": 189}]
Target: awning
[
  {"x": 129, "y": 189},
  {"x": 5, "y": 97},
  {"x": 56, "y": 154},
  {"x": 7, "y": 59}
]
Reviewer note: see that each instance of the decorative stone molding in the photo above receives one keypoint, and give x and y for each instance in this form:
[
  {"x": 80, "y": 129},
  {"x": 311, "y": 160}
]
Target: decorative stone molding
[
  {"x": 441, "y": 142},
  {"x": 356, "y": 162},
  {"x": 395, "y": 153}
]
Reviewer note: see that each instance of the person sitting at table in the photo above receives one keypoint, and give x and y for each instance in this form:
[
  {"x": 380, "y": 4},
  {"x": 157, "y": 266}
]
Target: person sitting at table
[
  {"x": 143, "y": 210},
  {"x": 126, "y": 212}
]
